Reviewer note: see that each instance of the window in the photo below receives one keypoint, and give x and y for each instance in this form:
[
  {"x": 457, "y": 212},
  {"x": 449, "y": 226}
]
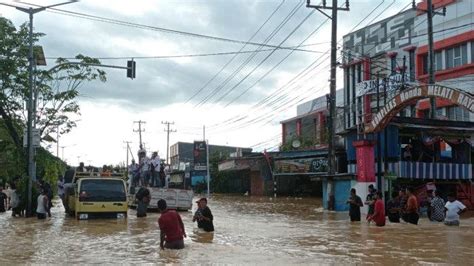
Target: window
[
  {"x": 411, "y": 63},
  {"x": 393, "y": 64},
  {"x": 359, "y": 73},
  {"x": 456, "y": 56},
  {"x": 425, "y": 64},
  {"x": 472, "y": 52},
  {"x": 437, "y": 64},
  {"x": 102, "y": 190}
]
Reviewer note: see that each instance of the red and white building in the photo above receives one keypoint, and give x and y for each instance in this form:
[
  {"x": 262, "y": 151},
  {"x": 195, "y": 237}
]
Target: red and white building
[{"x": 386, "y": 101}]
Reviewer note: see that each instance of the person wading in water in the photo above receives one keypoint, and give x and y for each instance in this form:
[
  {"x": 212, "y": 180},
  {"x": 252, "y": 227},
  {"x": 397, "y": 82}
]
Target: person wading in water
[{"x": 172, "y": 231}]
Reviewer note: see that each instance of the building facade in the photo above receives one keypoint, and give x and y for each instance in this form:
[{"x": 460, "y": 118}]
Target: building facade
[
  {"x": 300, "y": 167},
  {"x": 391, "y": 139},
  {"x": 183, "y": 153}
]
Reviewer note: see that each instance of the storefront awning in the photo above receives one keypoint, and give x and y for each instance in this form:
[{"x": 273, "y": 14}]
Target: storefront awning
[{"x": 442, "y": 125}]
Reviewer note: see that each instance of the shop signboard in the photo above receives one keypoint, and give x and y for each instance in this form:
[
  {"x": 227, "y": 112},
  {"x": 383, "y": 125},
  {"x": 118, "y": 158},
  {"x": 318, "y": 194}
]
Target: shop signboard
[
  {"x": 302, "y": 166},
  {"x": 405, "y": 97},
  {"x": 200, "y": 156}
]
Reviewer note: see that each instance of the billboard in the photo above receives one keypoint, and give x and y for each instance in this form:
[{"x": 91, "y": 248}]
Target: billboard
[
  {"x": 301, "y": 166},
  {"x": 200, "y": 156}
]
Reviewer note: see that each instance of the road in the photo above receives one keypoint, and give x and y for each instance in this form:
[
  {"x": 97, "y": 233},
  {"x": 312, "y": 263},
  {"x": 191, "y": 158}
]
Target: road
[{"x": 248, "y": 230}]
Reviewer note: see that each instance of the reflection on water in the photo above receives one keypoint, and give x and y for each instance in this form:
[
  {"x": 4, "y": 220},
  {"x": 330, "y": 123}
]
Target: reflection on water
[{"x": 248, "y": 230}]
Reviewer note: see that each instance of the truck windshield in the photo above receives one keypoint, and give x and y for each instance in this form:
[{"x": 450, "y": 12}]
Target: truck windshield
[{"x": 102, "y": 190}]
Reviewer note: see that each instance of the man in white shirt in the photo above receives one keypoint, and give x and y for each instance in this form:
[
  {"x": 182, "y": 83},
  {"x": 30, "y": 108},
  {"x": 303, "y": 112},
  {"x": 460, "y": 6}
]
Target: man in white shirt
[
  {"x": 133, "y": 173},
  {"x": 155, "y": 164},
  {"x": 453, "y": 209},
  {"x": 144, "y": 169}
]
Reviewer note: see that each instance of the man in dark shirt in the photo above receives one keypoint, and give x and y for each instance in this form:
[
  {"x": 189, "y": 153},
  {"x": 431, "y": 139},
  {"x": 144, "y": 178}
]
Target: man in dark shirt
[
  {"x": 393, "y": 208},
  {"x": 204, "y": 216},
  {"x": 3, "y": 200},
  {"x": 354, "y": 208},
  {"x": 370, "y": 200},
  {"x": 143, "y": 199},
  {"x": 171, "y": 228}
]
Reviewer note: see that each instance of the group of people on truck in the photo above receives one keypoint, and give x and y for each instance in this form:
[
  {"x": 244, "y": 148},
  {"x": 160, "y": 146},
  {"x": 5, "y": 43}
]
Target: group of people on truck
[{"x": 148, "y": 172}]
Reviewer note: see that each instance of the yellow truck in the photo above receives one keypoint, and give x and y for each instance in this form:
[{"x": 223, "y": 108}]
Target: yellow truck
[{"x": 92, "y": 196}]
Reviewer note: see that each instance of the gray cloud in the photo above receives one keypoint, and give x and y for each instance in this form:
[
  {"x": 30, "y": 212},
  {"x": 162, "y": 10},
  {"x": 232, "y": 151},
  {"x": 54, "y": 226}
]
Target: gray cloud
[{"x": 164, "y": 81}]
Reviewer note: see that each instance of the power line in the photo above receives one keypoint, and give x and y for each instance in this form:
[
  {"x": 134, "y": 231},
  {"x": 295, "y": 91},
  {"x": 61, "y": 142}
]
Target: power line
[
  {"x": 175, "y": 56},
  {"x": 153, "y": 28},
  {"x": 232, "y": 59},
  {"x": 265, "y": 59},
  {"x": 377, "y": 16},
  {"x": 274, "y": 67},
  {"x": 301, "y": 74},
  {"x": 297, "y": 99},
  {"x": 246, "y": 62}
]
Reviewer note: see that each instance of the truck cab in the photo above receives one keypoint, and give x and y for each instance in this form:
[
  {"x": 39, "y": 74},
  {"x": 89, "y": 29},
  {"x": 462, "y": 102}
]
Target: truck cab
[{"x": 92, "y": 196}]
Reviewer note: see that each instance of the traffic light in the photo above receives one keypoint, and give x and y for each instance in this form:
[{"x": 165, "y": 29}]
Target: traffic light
[{"x": 131, "y": 67}]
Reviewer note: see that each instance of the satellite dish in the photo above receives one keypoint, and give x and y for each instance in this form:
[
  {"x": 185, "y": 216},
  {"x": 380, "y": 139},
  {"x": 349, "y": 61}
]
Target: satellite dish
[{"x": 296, "y": 143}]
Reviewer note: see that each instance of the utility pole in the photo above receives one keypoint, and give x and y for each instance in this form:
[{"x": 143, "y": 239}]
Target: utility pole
[
  {"x": 208, "y": 174},
  {"x": 168, "y": 131},
  {"x": 62, "y": 152},
  {"x": 128, "y": 148},
  {"x": 430, "y": 12},
  {"x": 385, "y": 130},
  {"x": 379, "y": 150},
  {"x": 332, "y": 93},
  {"x": 140, "y": 130},
  {"x": 57, "y": 141}
]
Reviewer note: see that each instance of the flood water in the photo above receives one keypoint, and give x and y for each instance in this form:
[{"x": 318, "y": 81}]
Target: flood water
[{"x": 248, "y": 230}]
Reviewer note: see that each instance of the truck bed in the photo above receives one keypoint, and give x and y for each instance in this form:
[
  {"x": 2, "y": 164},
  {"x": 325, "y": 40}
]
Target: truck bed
[{"x": 177, "y": 199}]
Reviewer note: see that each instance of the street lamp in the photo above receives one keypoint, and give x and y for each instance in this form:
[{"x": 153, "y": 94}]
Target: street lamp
[{"x": 31, "y": 160}]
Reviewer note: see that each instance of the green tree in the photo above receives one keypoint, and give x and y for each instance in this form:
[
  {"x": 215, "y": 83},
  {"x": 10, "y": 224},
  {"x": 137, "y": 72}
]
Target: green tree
[{"x": 57, "y": 92}]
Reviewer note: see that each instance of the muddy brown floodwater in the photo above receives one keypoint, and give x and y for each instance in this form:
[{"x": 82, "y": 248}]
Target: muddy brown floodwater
[{"x": 248, "y": 230}]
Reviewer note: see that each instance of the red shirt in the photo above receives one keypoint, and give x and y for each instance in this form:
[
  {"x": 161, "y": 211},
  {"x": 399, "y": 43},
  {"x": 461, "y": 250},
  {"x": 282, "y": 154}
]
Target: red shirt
[
  {"x": 412, "y": 204},
  {"x": 170, "y": 223},
  {"x": 379, "y": 213}
]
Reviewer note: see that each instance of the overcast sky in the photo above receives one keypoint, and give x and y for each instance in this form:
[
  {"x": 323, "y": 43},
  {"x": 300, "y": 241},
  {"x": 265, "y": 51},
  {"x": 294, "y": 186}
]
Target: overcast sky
[{"x": 163, "y": 86}]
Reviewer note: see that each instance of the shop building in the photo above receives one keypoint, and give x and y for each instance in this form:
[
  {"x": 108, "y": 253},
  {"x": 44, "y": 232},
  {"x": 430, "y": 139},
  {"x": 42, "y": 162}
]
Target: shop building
[{"x": 391, "y": 140}]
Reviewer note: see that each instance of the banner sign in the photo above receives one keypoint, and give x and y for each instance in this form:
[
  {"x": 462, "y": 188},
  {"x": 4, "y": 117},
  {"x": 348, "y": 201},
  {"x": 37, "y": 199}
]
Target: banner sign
[
  {"x": 200, "y": 156},
  {"x": 391, "y": 83},
  {"x": 303, "y": 166},
  {"x": 404, "y": 98}
]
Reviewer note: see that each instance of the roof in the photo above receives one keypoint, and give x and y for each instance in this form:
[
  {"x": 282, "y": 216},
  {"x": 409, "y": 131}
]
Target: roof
[{"x": 298, "y": 154}]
